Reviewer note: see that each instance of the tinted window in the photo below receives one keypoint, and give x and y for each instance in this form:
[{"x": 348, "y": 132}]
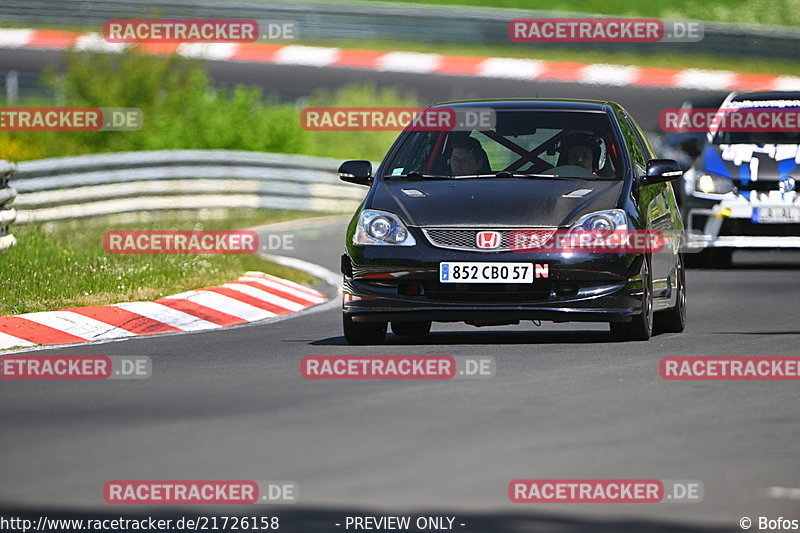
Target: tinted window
[
  {"x": 635, "y": 145},
  {"x": 561, "y": 143},
  {"x": 767, "y": 105},
  {"x": 644, "y": 144}
]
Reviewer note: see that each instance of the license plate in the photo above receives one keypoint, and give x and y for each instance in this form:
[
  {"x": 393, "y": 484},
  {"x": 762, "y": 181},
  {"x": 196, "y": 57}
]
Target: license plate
[
  {"x": 464, "y": 272},
  {"x": 776, "y": 215}
]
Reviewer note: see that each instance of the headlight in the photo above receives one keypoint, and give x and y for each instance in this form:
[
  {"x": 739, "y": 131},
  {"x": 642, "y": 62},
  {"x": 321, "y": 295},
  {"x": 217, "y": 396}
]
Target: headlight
[
  {"x": 382, "y": 228},
  {"x": 713, "y": 184},
  {"x": 613, "y": 219}
]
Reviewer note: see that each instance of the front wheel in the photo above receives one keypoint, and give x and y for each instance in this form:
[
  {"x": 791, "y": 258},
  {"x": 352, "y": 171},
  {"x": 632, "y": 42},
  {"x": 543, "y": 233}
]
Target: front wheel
[
  {"x": 674, "y": 320},
  {"x": 640, "y": 328},
  {"x": 363, "y": 333}
]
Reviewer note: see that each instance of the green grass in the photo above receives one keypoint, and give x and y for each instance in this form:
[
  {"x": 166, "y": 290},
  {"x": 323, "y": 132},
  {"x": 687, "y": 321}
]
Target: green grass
[
  {"x": 778, "y": 12},
  {"x": 63, "y": 264}
]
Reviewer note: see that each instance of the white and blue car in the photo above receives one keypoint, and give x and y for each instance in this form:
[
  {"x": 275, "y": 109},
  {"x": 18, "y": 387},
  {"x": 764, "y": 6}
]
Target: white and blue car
[{"x": 741, "y": 191}]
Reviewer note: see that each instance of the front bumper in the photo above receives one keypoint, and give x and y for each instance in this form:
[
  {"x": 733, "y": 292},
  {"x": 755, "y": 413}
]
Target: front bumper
[
  {"x": 728, "y": 222},
  {"x": 395, "y": 284}
]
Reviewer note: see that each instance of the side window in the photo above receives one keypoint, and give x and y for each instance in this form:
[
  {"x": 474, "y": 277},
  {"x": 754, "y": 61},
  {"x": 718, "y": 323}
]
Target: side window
[
  {"x": 416, "y": 152},
  {"x": 646, "y": 148},
  {"x": 637, "y": 149}
]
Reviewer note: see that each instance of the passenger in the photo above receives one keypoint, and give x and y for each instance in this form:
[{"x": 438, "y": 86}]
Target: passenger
[
  {"x": 469, "y": 157},
  {"x": 580, "y": 150}
]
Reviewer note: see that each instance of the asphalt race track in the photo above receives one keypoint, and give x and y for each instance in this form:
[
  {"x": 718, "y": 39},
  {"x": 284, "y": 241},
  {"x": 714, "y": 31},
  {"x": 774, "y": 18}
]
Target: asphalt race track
[{"x": 566, "y": 402}]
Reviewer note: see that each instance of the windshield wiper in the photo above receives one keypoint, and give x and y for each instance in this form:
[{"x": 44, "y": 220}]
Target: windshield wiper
[
  {"x": 420, "y": 175},
  {"x": 508, "y": 174},
  {"x": 499, "y": 174}
]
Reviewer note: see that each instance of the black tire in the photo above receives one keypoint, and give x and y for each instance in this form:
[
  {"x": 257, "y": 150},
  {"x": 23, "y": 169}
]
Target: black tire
[
  {"x": 710, "y": 258},
  {"x": 674, "y": 320},
  {"x": 418, "y": 328},
  {"x": 701, "y": 259},
  {"x": 721, "y": 257},
  {"x": 640, "y": 328},
  {"x": 363, "y": 333}
]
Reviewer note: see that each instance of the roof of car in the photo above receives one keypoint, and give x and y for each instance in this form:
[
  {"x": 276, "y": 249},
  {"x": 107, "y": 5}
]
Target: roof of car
[
  {"x": 533, "y": 103},
  {"x": 767, "y": 95}
]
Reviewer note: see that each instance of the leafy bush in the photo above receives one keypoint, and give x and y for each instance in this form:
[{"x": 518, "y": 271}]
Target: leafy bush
[
  {"x": 183, "y": 110},
  {"x": 356, "y": 144}
]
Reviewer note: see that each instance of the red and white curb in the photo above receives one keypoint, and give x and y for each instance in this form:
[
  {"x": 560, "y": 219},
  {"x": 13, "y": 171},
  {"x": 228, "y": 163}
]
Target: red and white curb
[
  {"x": 254, "y": 296},
  {"x": 411, "y": 62}
]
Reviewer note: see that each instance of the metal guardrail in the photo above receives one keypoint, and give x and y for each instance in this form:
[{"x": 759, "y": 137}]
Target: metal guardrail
[
  {"x": 7, "y": 213},
  {"x": 83, "y": 186},
  {"x": 352, "y": 20}
]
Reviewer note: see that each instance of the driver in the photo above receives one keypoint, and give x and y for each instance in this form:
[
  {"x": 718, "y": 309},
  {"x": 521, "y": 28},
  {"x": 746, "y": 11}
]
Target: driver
[
  {"x": 580, "y": 150},
  {"x": 469, "y": 157}
]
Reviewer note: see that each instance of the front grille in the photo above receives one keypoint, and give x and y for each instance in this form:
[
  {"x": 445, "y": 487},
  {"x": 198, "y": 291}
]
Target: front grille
[
  {"x": 747, "y": 228},
  {"x": 757, "y": 186},
  {"x": 487, "y": 292},
  {"x": 465, "y": 239}
]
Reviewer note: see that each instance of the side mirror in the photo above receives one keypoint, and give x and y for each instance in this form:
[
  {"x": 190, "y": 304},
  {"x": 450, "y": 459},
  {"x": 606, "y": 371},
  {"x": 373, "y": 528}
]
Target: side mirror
[
  {"x": 661, "y": 171},
  {"x": 358, "y": 172}
]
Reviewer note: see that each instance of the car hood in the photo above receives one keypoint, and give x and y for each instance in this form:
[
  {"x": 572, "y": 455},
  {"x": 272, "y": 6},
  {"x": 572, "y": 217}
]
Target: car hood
[
  {"x": 751, "y": 162},
  {"x": 495, "y": 201}
]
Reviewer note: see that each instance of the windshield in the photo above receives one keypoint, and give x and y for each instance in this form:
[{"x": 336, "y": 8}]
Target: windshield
[
  {"x": 546, "y": 144},
  {"x": 757, "y": 137},
  {"x": 764, "y": 115}
]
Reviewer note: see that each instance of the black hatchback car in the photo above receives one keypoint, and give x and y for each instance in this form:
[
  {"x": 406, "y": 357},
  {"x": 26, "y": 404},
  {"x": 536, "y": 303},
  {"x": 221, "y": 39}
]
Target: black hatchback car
[{"x": 436, "y": 238}]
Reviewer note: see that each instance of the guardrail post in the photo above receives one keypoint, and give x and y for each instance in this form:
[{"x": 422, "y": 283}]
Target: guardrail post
[
  {"x": 7, "y": 213},
  {"x": 12, "y": 87}
]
